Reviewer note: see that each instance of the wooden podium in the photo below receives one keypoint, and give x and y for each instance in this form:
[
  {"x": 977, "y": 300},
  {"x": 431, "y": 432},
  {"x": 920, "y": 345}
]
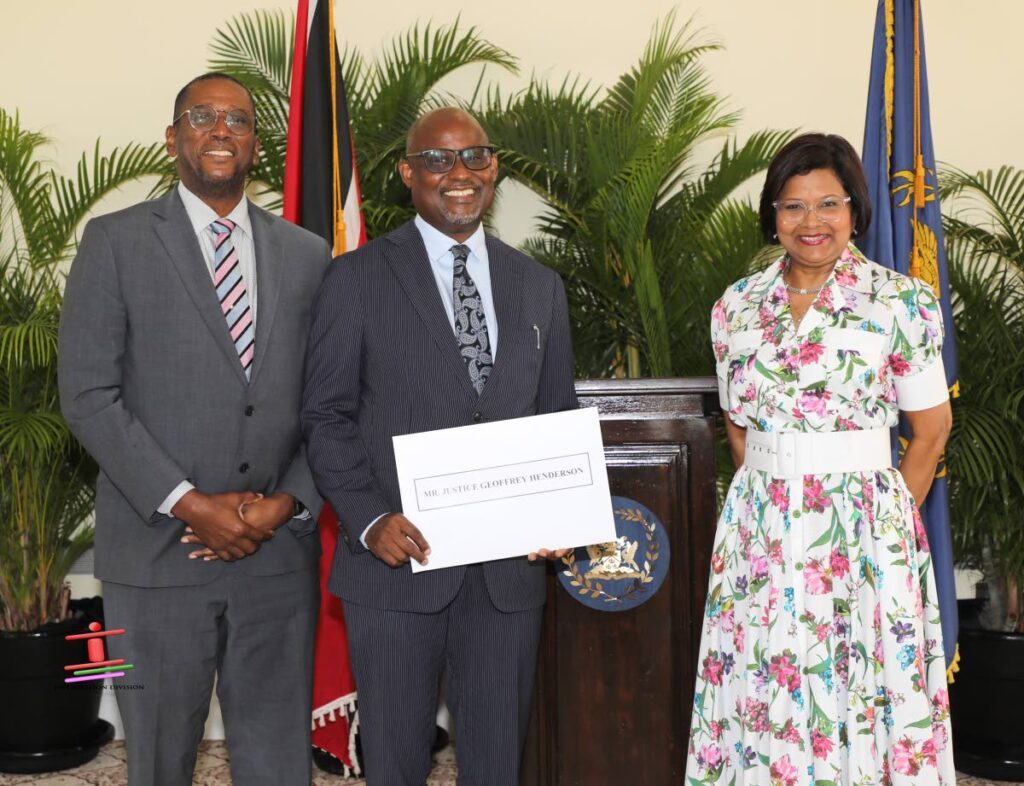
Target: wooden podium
[{"x": 615, "y": 689}]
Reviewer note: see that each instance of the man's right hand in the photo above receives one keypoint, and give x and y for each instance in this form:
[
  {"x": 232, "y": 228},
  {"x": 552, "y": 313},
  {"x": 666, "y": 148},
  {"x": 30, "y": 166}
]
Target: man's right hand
[
  {"x": 394, "y": 540},
  {"x": 215, "y": 521}
]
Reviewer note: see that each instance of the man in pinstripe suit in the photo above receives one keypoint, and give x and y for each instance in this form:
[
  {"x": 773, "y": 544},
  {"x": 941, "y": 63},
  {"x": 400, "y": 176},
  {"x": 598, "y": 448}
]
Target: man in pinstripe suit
[{"x": 405, "y": 339}]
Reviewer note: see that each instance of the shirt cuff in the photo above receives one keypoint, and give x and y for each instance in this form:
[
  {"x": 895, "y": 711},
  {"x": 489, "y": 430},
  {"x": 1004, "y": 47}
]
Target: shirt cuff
[
  {"x": 362, "y": 538},
  {"x": 923, "y": 390},
  {"x": 180, "y": 491}
]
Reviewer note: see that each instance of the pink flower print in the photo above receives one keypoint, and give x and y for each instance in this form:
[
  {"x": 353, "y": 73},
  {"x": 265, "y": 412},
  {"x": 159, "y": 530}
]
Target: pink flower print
[
  {"x": 941, "y": 700},
  {"x": 721, "y": 350},
  {"x": 766, "y": 319},
  {"x": 757, "y": 716},
  {"x": 759, "y": 567},
  {"x": 815, "y": 497},
  {"x": 728, "y": 620},
  {"x": 821, "y": 745},
  {"x": 739, "y": 638},
  {"x": 750, "y": 394},
  {"x": 839, "y": 563},
  {"x": 783, "y": 669},
  {"x": 815, "y": 401},
  {"x": 845, "y": 276},
  {"x": 717, "y": 563},
  {"x": 940, "y": 735},
  {"x": 797, "y": 414},
  {"x": 718, "y": 315},
  {"x": 824, "y": 301},
  {"x": 775, "y": 551},
  {"x": 845, "y": 424},
  {"x": 790, "y": 361},
  {"x": 713, "y": 669},
  {"x": 898, "y": 364},
  {"x": 929, "y": 753},
  {"x": 822, "y": 631},
  {"x": 816, "y": 578},
  {"x": 920, "y": 533},
  {"x": 903, "y": 759},
  {"x": 711, "y": 755},
  {"x": 783, "y": 773},
  {"x": 716, "y": 730},
  {"x": 778, "y": 492},
  {"x": 811, "y": 352}
]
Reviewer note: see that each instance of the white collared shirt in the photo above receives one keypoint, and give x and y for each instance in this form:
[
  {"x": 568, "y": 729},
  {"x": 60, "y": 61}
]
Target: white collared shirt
[
  {"x": 442, "y": 263},
  {"x": 201, "y": 215}
]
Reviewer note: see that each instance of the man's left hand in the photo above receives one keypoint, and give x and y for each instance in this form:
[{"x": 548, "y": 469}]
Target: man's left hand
[
  {"x": 547, "y": 554},
  {"x": 266, "y": 513}
]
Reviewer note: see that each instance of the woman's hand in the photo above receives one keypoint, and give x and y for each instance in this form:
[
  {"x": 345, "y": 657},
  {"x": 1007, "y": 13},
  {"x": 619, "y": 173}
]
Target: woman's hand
[{"x": 930, "y": 430}]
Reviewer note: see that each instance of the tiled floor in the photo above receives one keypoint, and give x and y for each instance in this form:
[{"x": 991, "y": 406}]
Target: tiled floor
[{"x": 108, "y": 769}]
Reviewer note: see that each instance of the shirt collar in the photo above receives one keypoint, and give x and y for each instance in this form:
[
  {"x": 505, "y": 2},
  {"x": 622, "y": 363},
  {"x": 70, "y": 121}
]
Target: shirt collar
[
  {"x": 852, "y": 271},
  {"x": 439, "y": 245},
  {"x": 201, "y": 215}
]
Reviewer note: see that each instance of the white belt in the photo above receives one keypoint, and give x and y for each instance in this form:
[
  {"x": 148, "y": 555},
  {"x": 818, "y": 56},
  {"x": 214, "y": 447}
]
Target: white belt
[{"x": 788, "y": 454}]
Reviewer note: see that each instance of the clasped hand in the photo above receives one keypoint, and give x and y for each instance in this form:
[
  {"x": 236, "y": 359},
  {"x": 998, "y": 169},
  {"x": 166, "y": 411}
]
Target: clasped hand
[{"x": 232, "y": 525}]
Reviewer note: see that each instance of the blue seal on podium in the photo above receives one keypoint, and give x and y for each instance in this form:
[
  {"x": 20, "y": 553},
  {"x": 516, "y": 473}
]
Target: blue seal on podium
[{"x": 626, "y": 572}]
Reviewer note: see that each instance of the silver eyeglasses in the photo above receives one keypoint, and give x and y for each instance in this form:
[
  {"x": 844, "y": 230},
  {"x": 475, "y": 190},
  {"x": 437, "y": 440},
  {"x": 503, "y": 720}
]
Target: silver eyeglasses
[
  {"x": 204, "y": 117},
  {"x": 829, "y": 209}
]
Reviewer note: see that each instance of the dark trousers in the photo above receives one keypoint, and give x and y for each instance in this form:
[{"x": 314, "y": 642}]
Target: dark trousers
[
  {"x": 255, "y": 634},
  {"x": 489, "y": 658}
]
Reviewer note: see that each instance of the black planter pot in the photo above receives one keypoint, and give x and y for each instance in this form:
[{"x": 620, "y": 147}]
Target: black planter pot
[
  {"x": 46, "y": 724},
  {"x": 986, "y": 704}
]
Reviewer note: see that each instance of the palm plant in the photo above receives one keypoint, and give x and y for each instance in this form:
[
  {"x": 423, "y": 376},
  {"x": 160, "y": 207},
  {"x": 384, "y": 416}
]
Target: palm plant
[
  {"x": 45, "y": 476},
  {"x": 645, "y": 239},
  {"x": 985, "y": 247},
  {"x": 384, "y": 96}
]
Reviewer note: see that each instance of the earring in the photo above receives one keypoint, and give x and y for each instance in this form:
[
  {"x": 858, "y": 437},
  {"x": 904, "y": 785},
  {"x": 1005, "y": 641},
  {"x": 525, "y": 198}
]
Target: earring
[{"x": 775, "y": 236}]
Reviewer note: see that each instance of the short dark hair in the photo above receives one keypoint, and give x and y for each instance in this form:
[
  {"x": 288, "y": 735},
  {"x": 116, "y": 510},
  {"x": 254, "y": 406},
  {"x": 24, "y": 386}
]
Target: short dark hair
[
  {"x": 804, "y": 154},
  {"x": 179, "y": 100}
]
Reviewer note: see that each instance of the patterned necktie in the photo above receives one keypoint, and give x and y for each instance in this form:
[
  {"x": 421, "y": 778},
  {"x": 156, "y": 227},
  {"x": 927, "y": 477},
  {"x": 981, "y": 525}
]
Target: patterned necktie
[
  {"x": 234, "y": 300},
  {"x": 470, "y": 322}
]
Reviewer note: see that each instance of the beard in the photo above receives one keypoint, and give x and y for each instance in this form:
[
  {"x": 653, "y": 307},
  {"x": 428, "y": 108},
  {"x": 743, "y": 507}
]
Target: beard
[
  {"x": 460, "y": 219},
  {"x": 216, "y": 188}
]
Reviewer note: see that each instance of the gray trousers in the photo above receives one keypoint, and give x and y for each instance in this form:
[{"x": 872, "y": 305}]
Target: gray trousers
[
  {"x": 490, "y": 659},
  {"x": 255, "y": 634}
]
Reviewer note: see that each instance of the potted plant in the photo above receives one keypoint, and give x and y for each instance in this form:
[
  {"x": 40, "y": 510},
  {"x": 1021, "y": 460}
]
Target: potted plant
[
  {"x": 46, "y": 478},
  {"x": 985, "y": 241}
]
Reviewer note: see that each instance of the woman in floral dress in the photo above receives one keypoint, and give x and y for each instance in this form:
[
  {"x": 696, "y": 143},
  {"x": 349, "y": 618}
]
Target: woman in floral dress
[{"x": 821, "y": 662}]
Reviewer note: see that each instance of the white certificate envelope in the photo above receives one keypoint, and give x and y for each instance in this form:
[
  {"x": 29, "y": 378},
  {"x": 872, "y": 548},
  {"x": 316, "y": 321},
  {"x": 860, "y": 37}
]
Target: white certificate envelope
[{"x": 507, "y": 488}]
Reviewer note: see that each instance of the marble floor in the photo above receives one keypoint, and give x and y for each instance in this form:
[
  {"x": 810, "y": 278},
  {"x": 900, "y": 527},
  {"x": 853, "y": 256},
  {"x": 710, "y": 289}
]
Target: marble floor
[{"x": 108, "y": 769}]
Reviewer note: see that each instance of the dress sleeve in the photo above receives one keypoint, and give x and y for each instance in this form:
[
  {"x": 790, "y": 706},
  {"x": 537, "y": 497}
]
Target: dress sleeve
[
  {"x": 915, "y": 358},
  {"x": 720, "y": 346}
]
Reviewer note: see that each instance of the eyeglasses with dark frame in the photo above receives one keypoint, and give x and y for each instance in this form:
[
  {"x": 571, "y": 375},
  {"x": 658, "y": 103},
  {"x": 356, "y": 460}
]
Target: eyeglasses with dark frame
[
  {"x": 204, "y": 117},
  {"x": 829, "y": 209},
  {"x": 442, "y": 159}
]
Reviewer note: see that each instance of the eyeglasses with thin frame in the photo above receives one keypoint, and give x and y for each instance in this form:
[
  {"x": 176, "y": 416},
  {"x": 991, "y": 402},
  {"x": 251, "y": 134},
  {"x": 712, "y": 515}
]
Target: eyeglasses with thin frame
[
  {"x": 203, "y": 117},
  {"x": 442, "y": 159},
  {"x": 829, "y": 209}
]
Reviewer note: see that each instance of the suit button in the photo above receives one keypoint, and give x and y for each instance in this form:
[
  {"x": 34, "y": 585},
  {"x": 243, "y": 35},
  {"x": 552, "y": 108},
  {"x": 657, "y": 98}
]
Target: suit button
[
  {"x": 249, "y": 410},
  {"x": 477, "y": 417},
  {"x": 244, "y": 467}
]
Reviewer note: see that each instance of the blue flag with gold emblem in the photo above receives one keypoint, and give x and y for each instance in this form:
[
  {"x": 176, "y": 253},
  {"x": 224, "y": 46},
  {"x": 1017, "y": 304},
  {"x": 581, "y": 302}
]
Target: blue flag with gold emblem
[{"x": 906, "y": 231}]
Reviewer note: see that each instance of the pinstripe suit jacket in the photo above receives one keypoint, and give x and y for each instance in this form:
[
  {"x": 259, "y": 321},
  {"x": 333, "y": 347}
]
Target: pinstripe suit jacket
[
  {"x": 383, "y": 360},
  {"x": 150, "y": 382}
]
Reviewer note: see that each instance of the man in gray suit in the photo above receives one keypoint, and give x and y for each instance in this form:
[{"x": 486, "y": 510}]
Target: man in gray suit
[
  {"x": 182, "y": 339},
  {"x": 406, "y": 339}
]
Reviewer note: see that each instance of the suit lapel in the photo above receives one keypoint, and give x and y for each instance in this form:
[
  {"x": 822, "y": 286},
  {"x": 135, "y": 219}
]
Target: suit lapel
[
  {"x": 408, "y": 260},
  {"x": 506, "y": 291},
  {"x": 269, "y": 274},
  {"x": 178, "y": 238}
]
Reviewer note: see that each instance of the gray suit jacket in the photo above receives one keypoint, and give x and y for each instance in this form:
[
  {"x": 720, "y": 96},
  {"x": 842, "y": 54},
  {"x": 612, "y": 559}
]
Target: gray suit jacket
[
  {"x": 152, "y": 385},
  {"x": 383, "y": 360}
]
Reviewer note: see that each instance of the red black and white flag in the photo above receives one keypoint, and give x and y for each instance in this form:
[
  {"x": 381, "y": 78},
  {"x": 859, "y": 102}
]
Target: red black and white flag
[{"x": 321, "y": 193}]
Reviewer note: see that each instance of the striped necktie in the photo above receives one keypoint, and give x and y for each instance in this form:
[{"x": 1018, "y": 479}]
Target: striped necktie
[
  {"x": 470, "y": 321},
  {"x": 234, "y": 300}
]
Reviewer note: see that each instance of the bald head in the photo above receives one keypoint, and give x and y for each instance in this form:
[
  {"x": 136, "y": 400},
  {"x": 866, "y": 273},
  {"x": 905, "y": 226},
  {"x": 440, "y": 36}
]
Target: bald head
[{"x": 427, "y": 127}]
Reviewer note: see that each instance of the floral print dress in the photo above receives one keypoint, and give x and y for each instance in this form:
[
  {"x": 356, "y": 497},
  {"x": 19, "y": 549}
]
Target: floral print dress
[{"x": 821, "y": 660}]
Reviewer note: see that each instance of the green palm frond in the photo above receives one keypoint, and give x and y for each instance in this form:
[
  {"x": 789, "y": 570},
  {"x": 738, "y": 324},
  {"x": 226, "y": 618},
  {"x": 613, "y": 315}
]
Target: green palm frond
[{"x": 629, "y": 218}]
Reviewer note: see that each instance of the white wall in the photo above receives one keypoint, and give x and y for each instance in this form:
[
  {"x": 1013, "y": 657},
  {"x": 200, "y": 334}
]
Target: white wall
[{"x": 78, "y": 69}]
